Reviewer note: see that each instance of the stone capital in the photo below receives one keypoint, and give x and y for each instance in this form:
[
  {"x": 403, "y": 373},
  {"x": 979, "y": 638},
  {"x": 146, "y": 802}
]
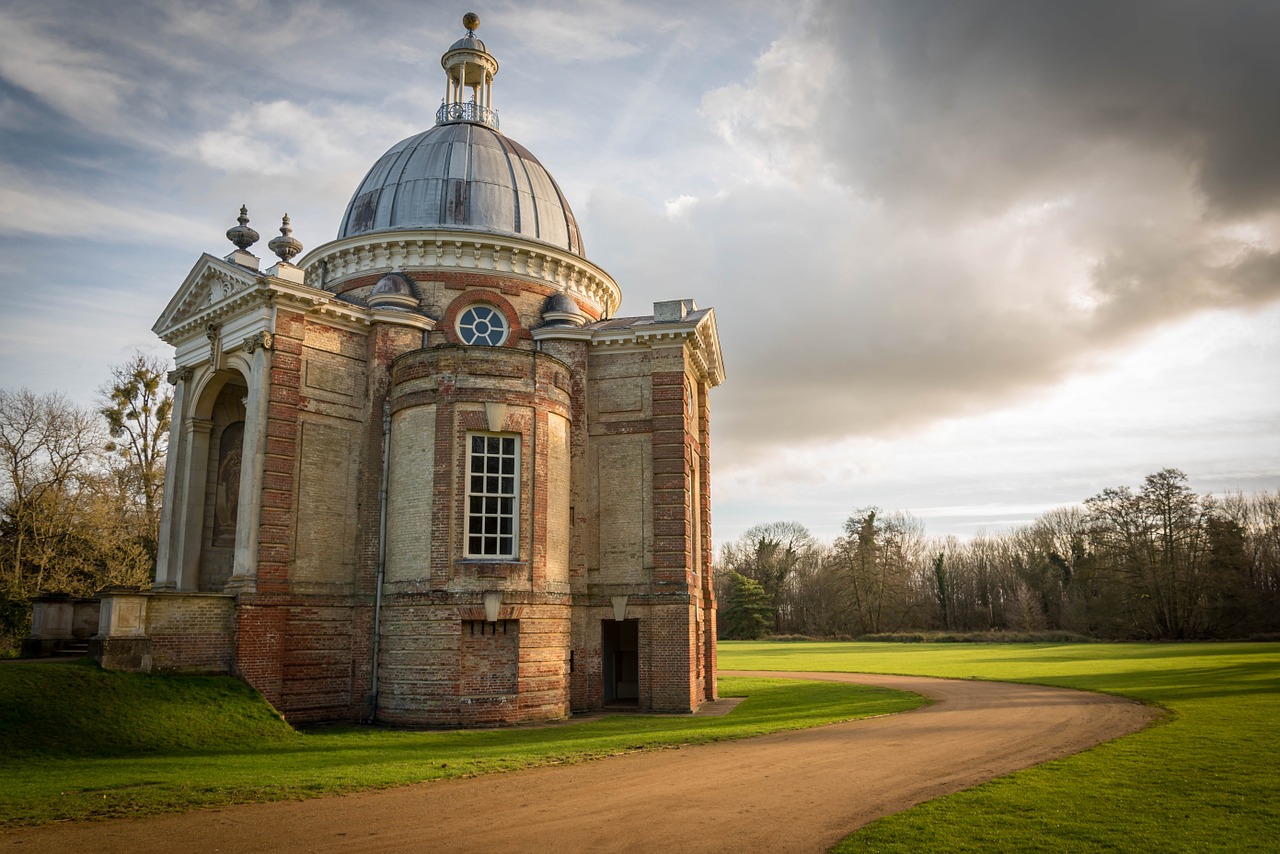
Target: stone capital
[
  {"x": 179, "y": 375},
  {"x": 263, "y": 339}
]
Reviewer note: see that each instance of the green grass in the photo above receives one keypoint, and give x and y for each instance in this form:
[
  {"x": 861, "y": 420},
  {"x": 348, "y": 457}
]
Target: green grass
[
  {"x": 1205, "y": 778},
  {"x": 77, "y": 742}
]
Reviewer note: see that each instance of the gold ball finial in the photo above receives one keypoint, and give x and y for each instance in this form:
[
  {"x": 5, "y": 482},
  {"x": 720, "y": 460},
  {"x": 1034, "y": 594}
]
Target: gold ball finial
[{"x": 471, "y": 21}]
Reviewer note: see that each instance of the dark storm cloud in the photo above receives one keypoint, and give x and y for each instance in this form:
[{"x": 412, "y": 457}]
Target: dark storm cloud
[
  {"x": 967, "y": 201},
  {"x": 990, "y": 96}
]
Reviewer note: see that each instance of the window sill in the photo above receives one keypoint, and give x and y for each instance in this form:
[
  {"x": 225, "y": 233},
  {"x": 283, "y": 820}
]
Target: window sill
[{"x": 491, "y": 567}]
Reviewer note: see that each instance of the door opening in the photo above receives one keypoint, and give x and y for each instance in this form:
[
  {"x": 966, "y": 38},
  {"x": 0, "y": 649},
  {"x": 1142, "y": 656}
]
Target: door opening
[{"x": 620, "y": 654}]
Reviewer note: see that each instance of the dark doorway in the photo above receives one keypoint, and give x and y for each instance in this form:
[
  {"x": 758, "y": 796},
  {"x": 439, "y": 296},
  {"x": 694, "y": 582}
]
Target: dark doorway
[{"x": 620, "y": 655}]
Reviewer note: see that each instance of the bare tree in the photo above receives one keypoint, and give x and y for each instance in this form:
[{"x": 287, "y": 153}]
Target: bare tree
[
  {"x": 66, "y": 523},
  {"x": 48, "y": 449},
  {"x": 137, "y": 405},
  {"x": 1157, "y": 542},
  {"x": 883, "y": 558},
  {"x": 771, "y": 554},
  {"x": 1156, "y": 562}
]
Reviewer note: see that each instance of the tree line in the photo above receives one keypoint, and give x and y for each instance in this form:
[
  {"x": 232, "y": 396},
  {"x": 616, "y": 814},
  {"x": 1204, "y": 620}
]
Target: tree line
[
  {"x": 1159, "y": 562},
  {"x": 80, "y": 490}
]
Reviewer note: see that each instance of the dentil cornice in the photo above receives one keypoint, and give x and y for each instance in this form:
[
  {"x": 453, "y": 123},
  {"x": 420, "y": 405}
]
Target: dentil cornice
[{"x": 423, "y": 251}]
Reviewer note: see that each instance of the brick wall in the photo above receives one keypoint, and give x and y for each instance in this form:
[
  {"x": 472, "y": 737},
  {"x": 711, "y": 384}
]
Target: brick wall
[
  {"x": 441, "y": 664},
  {"x": 316, "y": 681},
  {"x": 191, "y": 633},
  {"x": 260, "y": 631},
  {"x": 277, "y": 531},
  {"x": 710, "y": 691},
  {"x": 490, "y": 658}
]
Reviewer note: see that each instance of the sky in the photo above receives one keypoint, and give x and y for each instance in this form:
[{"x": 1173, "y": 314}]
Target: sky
[{"x": 972, "y": 259}]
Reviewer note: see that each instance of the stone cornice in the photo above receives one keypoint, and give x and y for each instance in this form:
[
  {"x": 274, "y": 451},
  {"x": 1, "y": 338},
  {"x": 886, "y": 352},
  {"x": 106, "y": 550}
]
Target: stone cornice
[
  {"x": 423, "y": 251},
  {"x": 562, "y": 333},
  {"x": 216, "y": 290},
  {"x": 402, "y": 318},
  {"x": 698, "y": 335}
]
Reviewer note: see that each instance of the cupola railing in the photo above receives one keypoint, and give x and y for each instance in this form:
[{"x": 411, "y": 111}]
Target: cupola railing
[{"x": 467, "y": 111}]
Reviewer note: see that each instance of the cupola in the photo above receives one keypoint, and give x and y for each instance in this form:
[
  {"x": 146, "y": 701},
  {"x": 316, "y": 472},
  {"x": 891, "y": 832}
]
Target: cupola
[{"x": 469, "y": 70}]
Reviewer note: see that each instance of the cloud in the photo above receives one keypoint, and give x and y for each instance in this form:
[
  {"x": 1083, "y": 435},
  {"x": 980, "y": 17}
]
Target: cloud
[
  {"x": 285, "y": 138},
  {"x": 75, "y": 81},
  {"x": 933, "y": 209},
  {"x": 45, "y": 208},
  {"x": 902, "y": 212},
  {"x": 578, "y": 32}
]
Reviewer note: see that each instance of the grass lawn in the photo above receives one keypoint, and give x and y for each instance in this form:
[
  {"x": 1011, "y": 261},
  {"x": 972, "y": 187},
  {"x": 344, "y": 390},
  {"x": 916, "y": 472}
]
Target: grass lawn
[
  {"x": 78, "y": 742},
  {"x": 1205, "y": 778}
]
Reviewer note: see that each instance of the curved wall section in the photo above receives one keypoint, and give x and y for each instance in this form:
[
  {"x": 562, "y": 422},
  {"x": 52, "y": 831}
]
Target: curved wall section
[
  {"x": 446, "y": 659},
  {"x": 410, "y": 489}
]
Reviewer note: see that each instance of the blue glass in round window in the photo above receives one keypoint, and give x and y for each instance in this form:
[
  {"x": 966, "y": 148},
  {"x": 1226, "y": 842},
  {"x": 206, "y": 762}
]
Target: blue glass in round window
[{"x": 482, "y": 324}]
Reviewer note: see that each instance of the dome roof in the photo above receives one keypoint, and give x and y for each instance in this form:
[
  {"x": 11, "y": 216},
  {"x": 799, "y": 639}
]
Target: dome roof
[
  {"x": 393, "y": 284},
  {"x": 462, "y": 176},
  {"x": 559, "y": 309},
  {"x": 560, "y": 302},
  {"x": 467, "y": 42}
]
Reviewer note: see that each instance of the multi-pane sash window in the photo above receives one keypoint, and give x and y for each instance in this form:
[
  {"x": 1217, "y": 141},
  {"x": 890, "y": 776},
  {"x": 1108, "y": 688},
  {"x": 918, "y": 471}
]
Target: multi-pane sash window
[{"x": 493, "y": 471}]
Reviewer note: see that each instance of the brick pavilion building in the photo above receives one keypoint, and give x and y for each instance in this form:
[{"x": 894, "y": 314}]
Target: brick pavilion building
[{"x": 426, "y": 475}]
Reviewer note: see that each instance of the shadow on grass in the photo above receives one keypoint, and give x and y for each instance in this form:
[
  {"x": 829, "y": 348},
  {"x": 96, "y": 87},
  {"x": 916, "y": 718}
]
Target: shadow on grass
[{"x": 1190, "y": 683}]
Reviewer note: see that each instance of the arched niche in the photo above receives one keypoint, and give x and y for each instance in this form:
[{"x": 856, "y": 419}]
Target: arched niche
[{"x": 222, "y": 408}]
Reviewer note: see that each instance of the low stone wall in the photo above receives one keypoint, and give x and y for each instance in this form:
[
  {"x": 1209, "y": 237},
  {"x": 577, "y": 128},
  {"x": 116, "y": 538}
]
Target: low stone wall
[
  {"x": 167, "y": 632},
  {"x": 58, "y": 623}
]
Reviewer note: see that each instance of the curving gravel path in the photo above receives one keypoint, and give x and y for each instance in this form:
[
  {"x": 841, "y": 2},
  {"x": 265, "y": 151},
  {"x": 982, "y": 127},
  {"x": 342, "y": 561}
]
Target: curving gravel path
[{"x": 794, "y": 791}]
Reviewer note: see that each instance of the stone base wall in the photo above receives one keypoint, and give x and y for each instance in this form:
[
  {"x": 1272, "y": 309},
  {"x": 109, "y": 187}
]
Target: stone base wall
[
  {"x": 307, "y": 655},
  {"x": 442, "y": 664},
  {"x": 131, "y": 653}
]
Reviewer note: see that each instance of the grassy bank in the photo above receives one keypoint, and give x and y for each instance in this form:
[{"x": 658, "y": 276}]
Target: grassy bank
[
  {"x": 1205, "y": 778},
  {"x": 77, "y": 742}
]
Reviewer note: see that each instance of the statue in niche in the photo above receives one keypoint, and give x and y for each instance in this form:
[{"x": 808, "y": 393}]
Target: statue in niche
[{"x": 226, "y": 502}]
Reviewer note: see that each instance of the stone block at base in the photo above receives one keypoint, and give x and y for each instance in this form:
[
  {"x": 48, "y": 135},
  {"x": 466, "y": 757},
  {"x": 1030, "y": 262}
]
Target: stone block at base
[{"x": 124, "y": 653}]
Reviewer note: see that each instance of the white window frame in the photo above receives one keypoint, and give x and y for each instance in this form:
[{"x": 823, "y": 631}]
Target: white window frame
[
  {"x": 495, "y": 317},
  {"x": 492, "y": 496}
]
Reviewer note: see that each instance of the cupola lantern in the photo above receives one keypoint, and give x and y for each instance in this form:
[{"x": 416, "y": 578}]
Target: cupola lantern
[{"x": 469, "y": 70}]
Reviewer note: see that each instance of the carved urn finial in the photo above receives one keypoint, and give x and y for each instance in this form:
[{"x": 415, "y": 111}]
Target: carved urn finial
[
  {"x": 242, "y": 235},
  {"x": 286, "y": 246}
]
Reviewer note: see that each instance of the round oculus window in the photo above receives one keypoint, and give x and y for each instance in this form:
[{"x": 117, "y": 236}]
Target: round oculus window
[{"x": 482, "y": 324}]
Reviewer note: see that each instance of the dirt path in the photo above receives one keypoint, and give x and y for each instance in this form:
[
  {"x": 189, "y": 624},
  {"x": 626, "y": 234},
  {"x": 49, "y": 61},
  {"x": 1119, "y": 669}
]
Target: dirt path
[{"x": 796, "y": 791}]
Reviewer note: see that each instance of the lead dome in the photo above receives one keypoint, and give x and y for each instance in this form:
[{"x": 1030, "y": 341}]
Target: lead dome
[{"x": 463, "y": 174}]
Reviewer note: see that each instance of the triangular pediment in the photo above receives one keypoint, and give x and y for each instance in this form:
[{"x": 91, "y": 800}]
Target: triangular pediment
[{"x": 210, "y": 282}]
